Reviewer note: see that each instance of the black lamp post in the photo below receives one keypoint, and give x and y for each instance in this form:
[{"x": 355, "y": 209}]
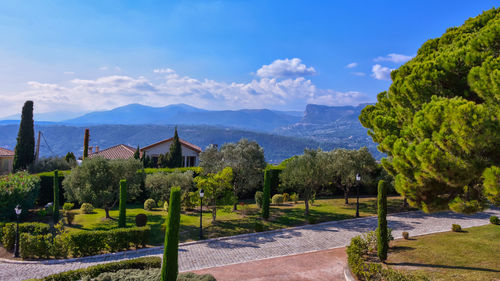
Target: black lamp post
[
  {"x": 201, "y": 213},
  {"x": 16, "y": 245},
  {"x": 358, "y": 179}
]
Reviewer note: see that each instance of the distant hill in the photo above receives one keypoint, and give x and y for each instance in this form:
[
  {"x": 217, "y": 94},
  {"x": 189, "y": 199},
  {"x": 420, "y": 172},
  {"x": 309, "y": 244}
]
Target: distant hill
[{"x": 181, "y": 114}]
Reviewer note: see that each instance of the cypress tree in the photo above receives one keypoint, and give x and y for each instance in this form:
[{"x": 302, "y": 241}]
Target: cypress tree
[
  {"x": 170, "y": 268},
  {"x": 175, "y": 152},
  {"x": 86, "y": 139},
  {"x": 267, "y": 194},
  {"x": 137, "y": 153},
  {"x": 25, "y": 147},
  {"x": 123, "y": 204},
  {"x": 55, "y": 206},
  {"x": 382, "y": 232}
]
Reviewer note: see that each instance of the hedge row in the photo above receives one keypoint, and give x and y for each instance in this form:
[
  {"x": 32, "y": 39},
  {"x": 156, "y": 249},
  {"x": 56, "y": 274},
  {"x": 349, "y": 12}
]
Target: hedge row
[
  {"x": 46, "y": 194},
  {"x": 196, "y": 170},
  {"x": 8, "y": 232},
  {"x": 96, "y": 270},
  {"x": 360, "y": 248},
  {"x": 82, "y": 243}
]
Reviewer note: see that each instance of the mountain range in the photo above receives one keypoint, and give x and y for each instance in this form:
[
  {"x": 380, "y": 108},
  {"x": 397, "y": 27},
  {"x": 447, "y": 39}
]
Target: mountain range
[{"x": 282, "y": 134}]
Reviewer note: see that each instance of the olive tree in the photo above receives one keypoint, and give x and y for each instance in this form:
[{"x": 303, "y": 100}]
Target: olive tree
[
  {"x": 97, "y": 180},
  {"x": 158, "y": 184},
  {"x": 215, "y": 186}
]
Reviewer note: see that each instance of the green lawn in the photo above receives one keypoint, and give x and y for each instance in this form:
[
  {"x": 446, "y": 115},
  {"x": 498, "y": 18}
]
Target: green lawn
[
  {"x": 470, "y": 255},
  {"x": 232, "y": 223}
]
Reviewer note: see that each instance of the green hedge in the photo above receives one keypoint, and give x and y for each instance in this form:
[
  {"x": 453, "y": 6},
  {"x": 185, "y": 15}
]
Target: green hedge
[
  {"x": 196, "y": 170},
  {"x": 82, "y": 243},
  {"x": 9, "y": 232},
  {"x": 96, "y": 270},
  {"x": 274, "y": 175},
  {"x": 46, "y": 194}
]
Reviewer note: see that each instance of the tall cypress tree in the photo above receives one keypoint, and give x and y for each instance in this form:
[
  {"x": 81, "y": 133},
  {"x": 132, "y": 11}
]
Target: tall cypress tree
[
  {"x": 137, "y": 153},
  {"x": 382, "y": 232},
  {"x": 86, "y": 139},
  {"x": 267, "y": 194},
  {"x": 170, "y": 266},
  {"x": 55, "y": 206},
  {"x": 123, "y": 204},
  {"x": 25, "y": 147},
  {"x": 175, "y": 152}
]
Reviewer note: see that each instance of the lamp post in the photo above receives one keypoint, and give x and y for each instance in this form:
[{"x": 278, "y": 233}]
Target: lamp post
[
  {"x": 358, "y": 179},
  {"x": 16, "y": 245},
  {"x": 201, "y": 213}
]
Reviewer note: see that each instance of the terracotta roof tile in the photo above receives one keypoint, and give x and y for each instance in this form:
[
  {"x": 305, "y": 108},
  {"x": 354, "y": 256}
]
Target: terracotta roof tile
[
  {"x": 120, "y": 151},
  {"x": 6, "y": 152}
]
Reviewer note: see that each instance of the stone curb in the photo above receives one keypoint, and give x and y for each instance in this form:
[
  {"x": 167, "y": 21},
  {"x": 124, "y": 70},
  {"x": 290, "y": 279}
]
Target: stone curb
[{"x": 348, "y": 275}]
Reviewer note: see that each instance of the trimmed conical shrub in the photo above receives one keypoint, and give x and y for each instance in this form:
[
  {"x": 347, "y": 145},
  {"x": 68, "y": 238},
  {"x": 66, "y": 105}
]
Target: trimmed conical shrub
[
  {"x": 24, "y": 153},
  {"x": 55, "y": 206},
  {"x": 170, "y": 267},
  {"x": 123, "y": 204},
  {"x": 267, "y": 194},
  {"x": 382, "y": 232}
]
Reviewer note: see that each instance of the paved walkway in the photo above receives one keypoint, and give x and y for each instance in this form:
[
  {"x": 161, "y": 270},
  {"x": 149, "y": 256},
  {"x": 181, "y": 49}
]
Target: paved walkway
[{"x": 258, "y": 246}]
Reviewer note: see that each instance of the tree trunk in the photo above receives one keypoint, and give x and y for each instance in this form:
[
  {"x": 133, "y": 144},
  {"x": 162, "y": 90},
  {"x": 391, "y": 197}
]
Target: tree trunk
[
  {"x": 235, "y": 206},
  {"x": 405, "y": 204},
  {"x": 306, "y": 202},
  {"x": 214, "y": 211},
  {"x": 107, "y": 212},
  {"x": 346, "y": 196}
]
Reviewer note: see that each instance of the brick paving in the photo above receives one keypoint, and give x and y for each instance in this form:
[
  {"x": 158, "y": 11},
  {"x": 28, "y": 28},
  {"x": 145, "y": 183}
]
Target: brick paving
[{"x": 258, "y": 246}]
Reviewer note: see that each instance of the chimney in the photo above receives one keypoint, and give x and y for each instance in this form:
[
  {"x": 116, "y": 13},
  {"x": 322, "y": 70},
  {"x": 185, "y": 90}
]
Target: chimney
[
  {"x": 96, "y": 149},
  {"x": 90, "y": 149}
]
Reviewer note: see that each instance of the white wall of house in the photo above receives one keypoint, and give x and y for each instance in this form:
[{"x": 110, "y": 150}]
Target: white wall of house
[{"x": 163, "y": 148}]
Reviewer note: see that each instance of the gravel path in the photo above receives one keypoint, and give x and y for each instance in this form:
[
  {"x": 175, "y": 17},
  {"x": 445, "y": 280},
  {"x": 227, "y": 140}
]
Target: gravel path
[{"x": 258, "y": 246}]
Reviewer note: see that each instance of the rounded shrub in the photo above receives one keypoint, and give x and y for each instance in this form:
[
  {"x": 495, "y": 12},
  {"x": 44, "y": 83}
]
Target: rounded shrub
[
  {"x": 258, "y": 198},
  {"x": 70, "y": 216},
  {"x": 149, "y": 204},
  {"x": 141, "y": 220},
  {"x": 286, "y": 197},
  {"x": 494, "y": 220},
  {"x": 87, "y": 208},
  {"x": 277, "y": 199},
  {"x": 258, "y": 227},
  {"x": 406, "y": 235},
  {"x": 165, "y": 206},
  {"x": 456, "y": 228},
  {"x": 311, "y": 220},
  {"x": 68, "y": 206}
]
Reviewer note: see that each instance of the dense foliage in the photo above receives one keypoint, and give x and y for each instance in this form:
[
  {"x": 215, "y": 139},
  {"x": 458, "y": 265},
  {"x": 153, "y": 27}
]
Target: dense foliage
[
  {"x": 19, "y": 188},
  {"x": 170, "y": 266},
  {"x": 158, "y": 184},
  {"x": 24, "y": 153},
  {"x": 55, "y": 205},
  {"x": 439, "y": 122},
  {"x": 216, "y": 186},
  {"x": 8, "y": 232},
  {"x": 266, "y": 195},
  {"x": 97, "y": 180},
  {"x": 52, "y": 163}
]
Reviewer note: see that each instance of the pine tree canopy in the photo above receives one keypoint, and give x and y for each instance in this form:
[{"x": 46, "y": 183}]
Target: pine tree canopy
[
  {"x": 24, "y": 153},
  {"x": 439, "y": 122}
]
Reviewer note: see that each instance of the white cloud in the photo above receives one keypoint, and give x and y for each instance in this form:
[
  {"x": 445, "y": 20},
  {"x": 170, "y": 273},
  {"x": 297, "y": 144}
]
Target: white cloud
[
  {"x": 69, "y": 72},
  {"x": 352, "y": 65},
  {"x": 286, "y": 68},
  {"x": 396, "y": 58},
  {"x": 116, "y": 90},
  {"x": 164, "y": 70},
  {"x": 358, "y": 73},
  {"x": 381, "y": 72}
]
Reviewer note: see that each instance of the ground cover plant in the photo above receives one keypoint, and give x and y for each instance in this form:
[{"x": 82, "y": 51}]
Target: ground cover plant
[{"x": 438, "y": 257}]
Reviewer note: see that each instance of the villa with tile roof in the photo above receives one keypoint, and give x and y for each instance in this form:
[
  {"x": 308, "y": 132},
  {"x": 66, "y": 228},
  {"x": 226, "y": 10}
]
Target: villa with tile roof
[
  {"x": 190, "y": 152},
  {"x": 6, "y": 161},
  {"x": 120, "y": 151}
]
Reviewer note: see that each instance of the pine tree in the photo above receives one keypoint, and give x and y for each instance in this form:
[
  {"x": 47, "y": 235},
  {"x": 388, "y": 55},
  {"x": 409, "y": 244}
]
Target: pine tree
[
  {"x": 123, "y": 204},
  {"x": 55, "y": 206},
  {"x": 170, "y": 267},
  {"x": 175, "y": 152},
  {"x": 25, "y": 147},
  {"x": 137, "y": 153},
  {"x": 267, "y": 194},
  {"x": 86, "y": 139},
  {"x": 382, "y": 232}
]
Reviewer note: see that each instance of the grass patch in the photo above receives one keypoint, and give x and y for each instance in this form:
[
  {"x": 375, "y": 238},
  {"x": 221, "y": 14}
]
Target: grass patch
[
  {"x": 470, "y": 255},
  {"x": 233, "y": 223}
]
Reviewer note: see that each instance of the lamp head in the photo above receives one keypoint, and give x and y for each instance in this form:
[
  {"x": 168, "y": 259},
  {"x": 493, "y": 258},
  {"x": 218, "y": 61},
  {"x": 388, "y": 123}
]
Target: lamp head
[
  {"x": 18, "y": 210},
  {"x": 358, "y": 177},
  {"x": 202, "y": 193}
]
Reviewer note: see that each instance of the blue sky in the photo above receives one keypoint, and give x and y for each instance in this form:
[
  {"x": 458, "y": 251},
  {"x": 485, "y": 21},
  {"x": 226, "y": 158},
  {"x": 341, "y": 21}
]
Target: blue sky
[{"x": 92, "y": 55}]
